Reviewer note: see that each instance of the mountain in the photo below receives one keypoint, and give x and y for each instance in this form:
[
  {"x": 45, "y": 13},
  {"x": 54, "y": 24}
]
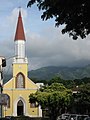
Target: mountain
[
  {"x": 66, "y": 73},
  {"x": 47, "y": 73}
]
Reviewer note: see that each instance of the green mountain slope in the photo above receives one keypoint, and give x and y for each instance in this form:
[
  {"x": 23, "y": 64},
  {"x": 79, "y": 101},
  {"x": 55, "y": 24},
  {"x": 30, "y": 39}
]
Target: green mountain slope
[
  {"x": 66, "y": 73},
  {"x": 47, "y": 73}
]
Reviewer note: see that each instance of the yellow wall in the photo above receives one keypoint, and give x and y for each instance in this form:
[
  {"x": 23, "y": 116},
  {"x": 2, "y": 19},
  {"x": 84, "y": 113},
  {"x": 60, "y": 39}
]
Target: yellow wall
[
  {"x": 14, "y": 95},
  {"x": 18, "y": 67},
  {"x": 17, "y": 93}
]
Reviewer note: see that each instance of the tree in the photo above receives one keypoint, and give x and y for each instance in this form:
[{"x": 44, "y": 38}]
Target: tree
[
  {"x": 67, "y": 83},
  {"x": 73, "y": 14},
  {"x": 82, "y": 99},
  {"x": 55, "y": 98}
]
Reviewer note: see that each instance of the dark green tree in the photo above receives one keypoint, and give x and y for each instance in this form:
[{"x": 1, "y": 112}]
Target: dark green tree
[
  {"x": 82, "y": 99},
  {"x": 73, "y": 14},
  {"x": 67, "y": 83},
  {"x": 55, "y": 98}
]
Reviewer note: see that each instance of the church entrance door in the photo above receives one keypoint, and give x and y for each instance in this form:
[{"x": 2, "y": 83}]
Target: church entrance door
[{"x": 20, "y": 107}]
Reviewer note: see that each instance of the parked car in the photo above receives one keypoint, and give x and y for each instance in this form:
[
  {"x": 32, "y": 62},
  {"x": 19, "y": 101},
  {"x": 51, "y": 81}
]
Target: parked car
[
  {"x": 63, "y": 117},
  {"x": 77, "y": 117},
  {"x": 87, "y": 118},
  {"x": 72, "y": 117}
]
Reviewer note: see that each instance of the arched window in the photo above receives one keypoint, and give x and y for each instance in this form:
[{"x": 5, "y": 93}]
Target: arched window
[
  {"x": 8, "y": 102},
  {"x": 20, "y": 81}
]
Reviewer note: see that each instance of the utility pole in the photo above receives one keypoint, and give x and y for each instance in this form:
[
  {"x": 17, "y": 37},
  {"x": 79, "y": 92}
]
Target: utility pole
[
  {"x": 0, "y": 98},
  {"x": 2, "y": 64}
]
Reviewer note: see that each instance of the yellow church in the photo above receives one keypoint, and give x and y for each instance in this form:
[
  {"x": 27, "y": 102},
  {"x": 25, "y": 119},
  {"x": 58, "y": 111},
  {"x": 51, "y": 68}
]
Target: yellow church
[{"x": 19, "y": 87}]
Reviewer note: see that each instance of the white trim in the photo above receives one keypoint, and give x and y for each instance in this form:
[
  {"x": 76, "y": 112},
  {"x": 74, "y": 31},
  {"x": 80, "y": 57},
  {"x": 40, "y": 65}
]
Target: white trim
[
  {"x": 8, "y": 82},
  {"x": 15, "y": 105},
  {"x": 20, "y": 60},
  {"x": 23, "y": 89},
  {"x": 19, "y": 41},
  {"x": 40, "y": 111}
]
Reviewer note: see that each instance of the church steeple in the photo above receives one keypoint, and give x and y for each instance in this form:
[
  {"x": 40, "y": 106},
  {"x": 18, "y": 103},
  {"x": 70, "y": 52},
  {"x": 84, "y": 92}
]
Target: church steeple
[
  {"x": 19, "y": 30},
  {"x": 19, "y": 41}
]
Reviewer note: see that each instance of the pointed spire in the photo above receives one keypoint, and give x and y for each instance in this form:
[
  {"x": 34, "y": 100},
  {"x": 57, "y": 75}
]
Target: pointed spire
[{"x": 19, "y": 30}]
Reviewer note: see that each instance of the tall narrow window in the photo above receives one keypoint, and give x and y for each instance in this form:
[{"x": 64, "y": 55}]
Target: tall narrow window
[{"x": 20, "y": 81}]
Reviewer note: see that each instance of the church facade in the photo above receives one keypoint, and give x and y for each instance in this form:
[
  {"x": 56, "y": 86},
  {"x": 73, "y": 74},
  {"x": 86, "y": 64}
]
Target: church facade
[{"x": 19, "y": 87}]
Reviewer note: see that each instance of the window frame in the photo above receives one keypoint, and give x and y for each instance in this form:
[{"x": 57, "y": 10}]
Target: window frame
[{"x": 16, "y": 86}]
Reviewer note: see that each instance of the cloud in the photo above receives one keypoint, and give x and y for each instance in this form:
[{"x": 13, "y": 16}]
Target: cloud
[
  {"x": 45, "y": 44},
  {"x": 52, "y": 48},
  {"x": 8, "y": 28}
]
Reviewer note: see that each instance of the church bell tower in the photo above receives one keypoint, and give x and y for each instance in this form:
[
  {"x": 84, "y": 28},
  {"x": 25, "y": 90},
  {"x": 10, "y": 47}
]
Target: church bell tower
[{"x": 20, "y": 62}]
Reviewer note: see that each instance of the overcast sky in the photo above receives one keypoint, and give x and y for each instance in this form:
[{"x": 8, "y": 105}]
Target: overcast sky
[{"x": 45, "y": 45}]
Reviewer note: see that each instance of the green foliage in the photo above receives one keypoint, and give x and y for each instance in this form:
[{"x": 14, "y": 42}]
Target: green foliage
[
  {"x": 85, "y": 87},
  {"x": 55, "y": 87},
  {"x": 54, "y": 98},
  {"x": 67, "y": 83},
  {"x": 82, "y": 98},
  {"x": 82, "y": 81},
  {"x": 74, "y": 14}
]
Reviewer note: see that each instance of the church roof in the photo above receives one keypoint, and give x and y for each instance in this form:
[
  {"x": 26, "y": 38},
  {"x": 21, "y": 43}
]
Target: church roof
[{"x": 19, "y": 35}]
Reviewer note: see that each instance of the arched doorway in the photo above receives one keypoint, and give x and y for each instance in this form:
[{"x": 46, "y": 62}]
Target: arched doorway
[{"x": 20, "y": 107}]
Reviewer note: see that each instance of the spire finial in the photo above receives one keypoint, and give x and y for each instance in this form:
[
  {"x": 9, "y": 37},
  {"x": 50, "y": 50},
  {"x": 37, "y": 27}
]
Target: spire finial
[
  {"x": 19, "y": 7},
  {"x": 19, "y": 11}
]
